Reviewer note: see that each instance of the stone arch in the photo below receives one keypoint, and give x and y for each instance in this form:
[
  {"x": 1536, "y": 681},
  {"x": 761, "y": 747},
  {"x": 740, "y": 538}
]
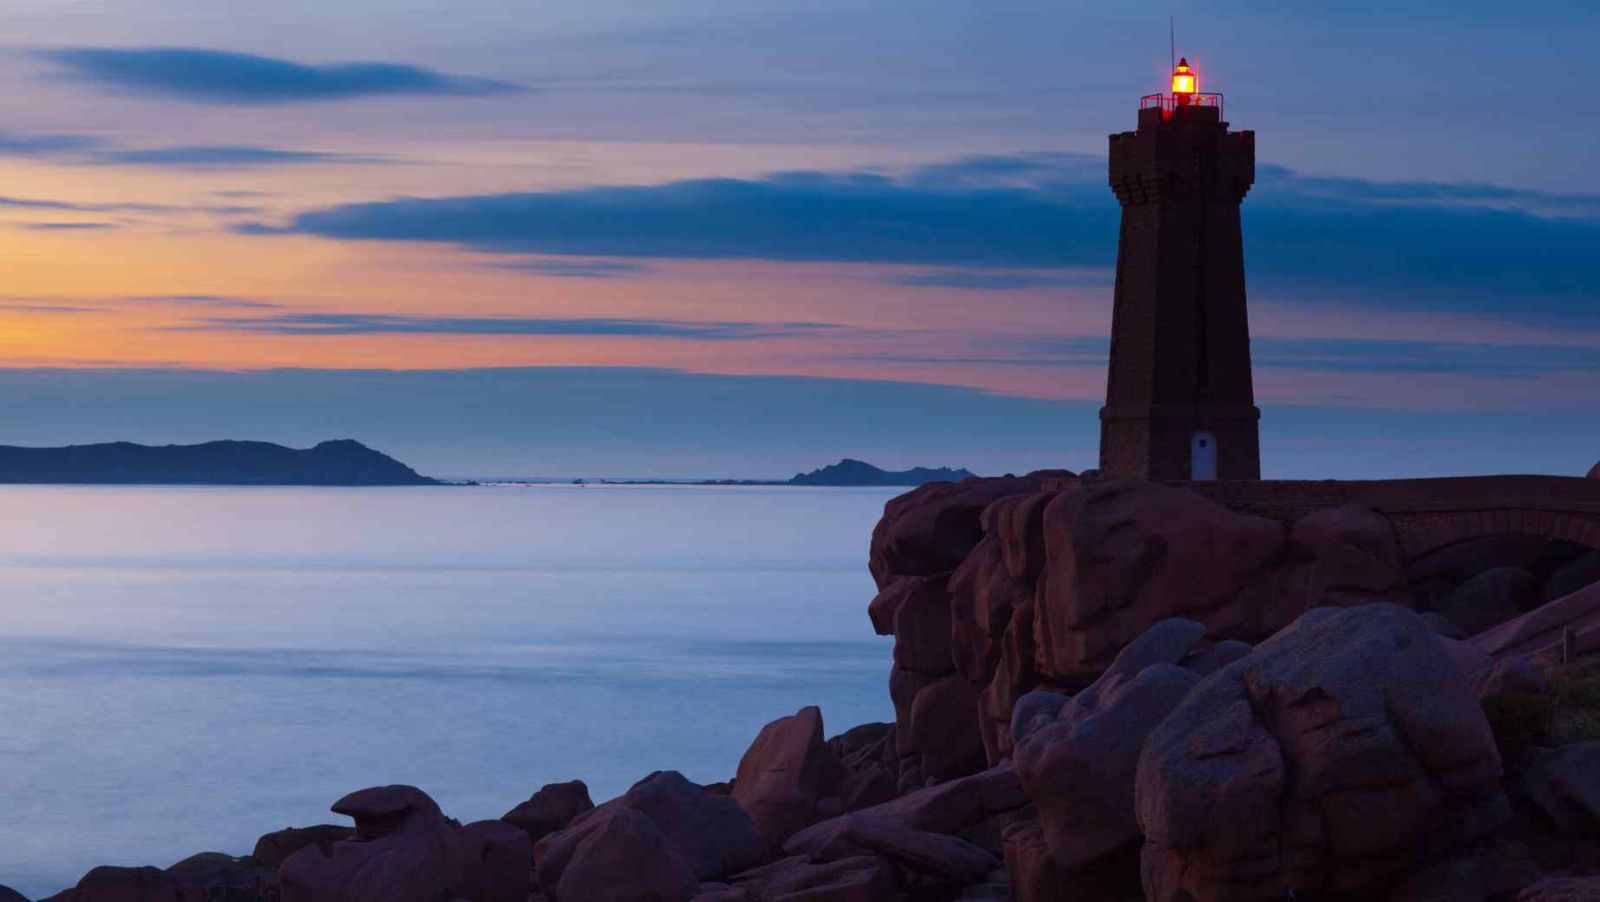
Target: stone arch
[{"x": 1422, "y": 532}]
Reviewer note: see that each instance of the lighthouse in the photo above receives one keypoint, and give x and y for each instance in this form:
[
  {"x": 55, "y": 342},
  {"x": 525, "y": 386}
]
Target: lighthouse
[{"x": 1179, "y": 400}]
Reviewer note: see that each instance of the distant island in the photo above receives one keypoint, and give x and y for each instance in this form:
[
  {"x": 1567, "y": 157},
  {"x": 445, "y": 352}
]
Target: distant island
[
  {"x": 342, "y": 462},
  {"x": 847, "y": 472},
  {"x": 857, "y": 472}
]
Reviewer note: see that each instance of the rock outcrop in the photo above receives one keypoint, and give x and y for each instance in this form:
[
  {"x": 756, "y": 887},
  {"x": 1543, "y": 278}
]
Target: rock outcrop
[
  {"x": 1078, "y": 763},
  {"x": 995, "y": 587},
  {"x": 708, "y": 831},
  {"x": 405, "y": 850},
  {"x": 790, "y": 778},
  {"x": 552, "y": 808},
  {"x": 618, "y": 855},
  {"x": 1341, "y": 752},
  {"x": 1564, "y": 784}
]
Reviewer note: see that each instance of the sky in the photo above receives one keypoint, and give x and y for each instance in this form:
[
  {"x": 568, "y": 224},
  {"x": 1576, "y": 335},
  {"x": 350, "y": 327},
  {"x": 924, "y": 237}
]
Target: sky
[{"x": 742, "y": 238}]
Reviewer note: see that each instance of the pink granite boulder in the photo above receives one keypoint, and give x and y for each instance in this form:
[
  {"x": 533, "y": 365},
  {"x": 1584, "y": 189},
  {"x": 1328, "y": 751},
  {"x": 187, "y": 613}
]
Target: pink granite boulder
[
  {"x": 114, "y": 884},
  {"x": 789, "y": 778},
  {"x": 553, "y": 807},
  {"x": 1339, "y": 753},
  {"x": 931, "y": 529},
  {"x": 1078, "y": 767},
  {"x": 272, "y": 848},
  {"x": 1564, "y": 784},
  {"x": 710, "y": 831},
  {"x": 489, "y": 861},
  {"x": 942, "y": 729},
  {"x": 396, "y": 855},
  {"x": 864, "y": 878},
  {"x": 1122, "y": 555},
  {"x": 404, "y": 850},
  {"x": 215, "y": 875},
  {"x": 949, "y": 808},
  {"x": 616, "y": 854},
  {"x": 1354, "y": 556}
]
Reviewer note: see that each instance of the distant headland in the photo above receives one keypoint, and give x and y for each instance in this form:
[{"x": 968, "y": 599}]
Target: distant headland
[
  {"x": 343, "y": 462},
  {"x": 856, "y": 472},
  {"x": 847, "y": 472}
]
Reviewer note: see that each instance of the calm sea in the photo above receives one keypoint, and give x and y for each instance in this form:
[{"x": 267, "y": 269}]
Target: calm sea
[{"x": 184, "y": 669}]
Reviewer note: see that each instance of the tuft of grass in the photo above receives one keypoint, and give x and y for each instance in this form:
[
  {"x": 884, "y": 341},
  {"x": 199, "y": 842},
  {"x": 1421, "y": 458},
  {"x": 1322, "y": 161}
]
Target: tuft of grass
[
  {"x": 1567, "y": 712},
  {"x": 1574, "y": 689}
]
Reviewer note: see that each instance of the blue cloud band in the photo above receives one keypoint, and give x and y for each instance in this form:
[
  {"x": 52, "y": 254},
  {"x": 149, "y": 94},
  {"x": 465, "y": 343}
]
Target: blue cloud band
[{"x": 222, "y": 77}]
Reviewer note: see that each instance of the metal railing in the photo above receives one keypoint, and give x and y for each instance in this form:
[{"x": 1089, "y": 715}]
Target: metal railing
[{"x": 1168, "y": 103}]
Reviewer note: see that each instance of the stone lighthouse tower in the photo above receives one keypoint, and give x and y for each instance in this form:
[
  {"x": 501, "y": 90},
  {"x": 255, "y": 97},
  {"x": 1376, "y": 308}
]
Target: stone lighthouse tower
[{"x": 1179, "y": 400}]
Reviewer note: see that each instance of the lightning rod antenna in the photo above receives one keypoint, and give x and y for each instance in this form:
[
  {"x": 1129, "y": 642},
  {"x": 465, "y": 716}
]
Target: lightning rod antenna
[{"x": 1172, "y": 42}]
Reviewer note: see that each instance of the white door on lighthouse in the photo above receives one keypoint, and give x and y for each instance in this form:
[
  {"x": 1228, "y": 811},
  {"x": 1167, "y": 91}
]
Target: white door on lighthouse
[{"x": 1203, "y": 457}]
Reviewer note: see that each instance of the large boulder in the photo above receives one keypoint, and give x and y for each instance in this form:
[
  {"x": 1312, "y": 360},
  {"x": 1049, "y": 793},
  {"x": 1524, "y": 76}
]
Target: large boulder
[
  {"x": 1578, "y": 573},
  {"x": 616, "y": 855},
  {"x": 7, "y": 894},
  {"x": 405, "y": 850},
  {"x": 1564, "y": 783},
  {"x": 1353, "y": 554},
  {"x": 489, "y": 861},
  {"x": 1122, "y": 555},
  {"x": 116, "y": 884},
  {"x": 1543, "y": 632},
  {"x": 273, "y": 848},
  {"x": 219, "y": 876},
  {"x": 789, "y": 778},
  {"x": 1340, "y": 753},
  {"x": 553, "y": 807},
  {"x": 1489, "y": 599},
  {"x": 937, "y": 854},
  {"x": 869, "y": 754},
  {"x": 1078, "y": 766},
  {"x": 901, "y": 591},
  {"x": 1034, "y": 875},
  {"x": 1440, "y": 571},
  {"x": 942, "y": 729},
  {"x": 863, "y": 878},
  {"x": 931, "y": 529},
  {"x": 710, "y": 831},
  {"x": 949, "y": 808}
]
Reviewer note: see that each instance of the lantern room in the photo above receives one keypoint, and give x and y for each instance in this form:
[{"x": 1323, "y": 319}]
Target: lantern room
[
  {"x": 1184, "y": 79},
  {"x": 1185, "y": 93}
]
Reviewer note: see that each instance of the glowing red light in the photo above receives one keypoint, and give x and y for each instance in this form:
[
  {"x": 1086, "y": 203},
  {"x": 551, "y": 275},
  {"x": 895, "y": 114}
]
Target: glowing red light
[{"x": 1184, "y": 79}]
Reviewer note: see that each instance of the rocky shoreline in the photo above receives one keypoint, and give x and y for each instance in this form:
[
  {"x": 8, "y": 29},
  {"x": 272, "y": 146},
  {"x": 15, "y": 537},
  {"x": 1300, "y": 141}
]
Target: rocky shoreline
[{"x": 1104, "y": 690}]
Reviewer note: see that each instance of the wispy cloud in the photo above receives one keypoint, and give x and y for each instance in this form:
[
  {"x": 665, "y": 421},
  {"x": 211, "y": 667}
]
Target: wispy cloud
[
  {"x": 18, "y": 144},
  {"x": 32, "y": 307},
  {"x": 390, "y": 324},
  {"x": 69, "y": 226},
  {"x": 575, "y": 269},
  {"x": 989, "y": 280},
  {"x": 946, "y": 216},
  {"x": 222, "y": 77},
  {"x": 222, "y": 155},
  {"x": 94, "y": 150},
  {"x": 1422, "y": 246},
  {"x": 204, "y": 300}
]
